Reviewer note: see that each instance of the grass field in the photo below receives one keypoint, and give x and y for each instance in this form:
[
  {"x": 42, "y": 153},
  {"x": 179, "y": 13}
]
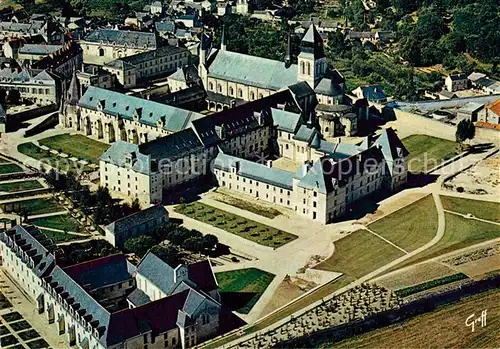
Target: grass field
[
  {"x": 38, "y": 206},
  {"x": 268, "y": 212},
  {"x": 37, "y": 153},
  {"x": 410, "y": 227},
  {"x": 76, "y": 145},
  {"x": 480, "y": 209},
  {"x": 6, "y": 168},
  {"x": 62, "y": 237},
  {"x": 427, "y": 152},
  {"x": 442, "y": 328},
  {"x": 358, "y": 254},
  {"x": 459, "y": 233},
  {"x": 430, "y": 284},
  {"x": 250, "y": 284},
  {"x": 13, "y": 187},
  {"x": 247, "y": 229},
  {"x": 62, "y": 222}
]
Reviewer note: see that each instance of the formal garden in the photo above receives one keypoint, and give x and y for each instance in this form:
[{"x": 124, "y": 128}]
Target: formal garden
[
  {"x": 12, "y": 187},
  {"x": 234, "y": 224}
]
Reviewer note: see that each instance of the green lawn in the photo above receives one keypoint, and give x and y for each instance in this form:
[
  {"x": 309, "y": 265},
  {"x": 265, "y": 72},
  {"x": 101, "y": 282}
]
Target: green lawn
[
  {"x": 13, "y": 187},
  {"x": 250, "y": 230},
  {"x": 480, "y": 209},
  {"x": 410, "y": 227},
  {"x": 460, "y": 232},
  {"x": 6, "y": 168},
  {"x": 55, "y": 161},
  {"x": 268, "y": 212},
  {"x": 76, "y": 145},
  {"x": 62, "y": 222},
  {"x": 61, "y": 237},
  {"x": 358, "y": 254},
  {"x": 250, "y": 284},
  {"x": 427, "y": 152},
  {"x": 38, "y": 206}
]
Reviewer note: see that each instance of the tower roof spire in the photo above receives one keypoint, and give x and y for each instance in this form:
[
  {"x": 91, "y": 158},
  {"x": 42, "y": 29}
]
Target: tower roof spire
[{"x": 312, "y": 42}]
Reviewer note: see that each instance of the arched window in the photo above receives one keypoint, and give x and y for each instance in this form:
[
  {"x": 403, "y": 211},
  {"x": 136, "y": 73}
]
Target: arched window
[
  {"x": 219, "y": 88},
  {"x": 252, "y": 96},
  {"x": 308, "y": 68},
  {"x": 240, "y": 93},
  {"x": 231, "y": 91},
  {"x": 302, "y": 69},
  {"x": 101, "y": 52},
  {"x": 261, "y": 96},
  {"x": 210, "y": 86}
]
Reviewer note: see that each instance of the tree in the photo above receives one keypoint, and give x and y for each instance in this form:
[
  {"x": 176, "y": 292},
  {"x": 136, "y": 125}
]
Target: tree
[
  {"x": 139, "y": 245},
  {"x": 210, "y": 241},
  {"x": 169, "y": 254},
  {"x": 465, "y": 131}
]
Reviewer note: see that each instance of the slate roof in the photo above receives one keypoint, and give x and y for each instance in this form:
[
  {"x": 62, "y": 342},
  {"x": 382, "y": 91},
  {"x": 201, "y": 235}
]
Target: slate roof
[
  {"x": 305, "y": 134},
  {"x": 118, "y": 152},
  {"x": 157, "y": 272},
  {"x": 39, "y": 49},
  {"x": 123, "y": 38},
  {"x": 339, "y": 151},
  {"x": 327, "y": 87},
  {"x": 285, "y": 120},
  {"x": 178, "y": 75},
  {"x": 373, "y": 92},
  {"x": 124, "y": 106},
  {"x": 456, "y": 77},
  {"x": 251, "y": 70},
  {"x": 312, "y": 43},
  {"x": 30, "y": 238},
  {"x": 253, "y": 170},
  {"x": 138, "y": 298},
  {"x": 173, "y": 146},
  {"x": 137, "y": 219},
  {"x": 82, "y": 300},
  {"x": 391, "y": 145},
  {"x": 201, "y": 273},
  {"x": 158, "y": 316},
  {"x": 28, "y": 28},
  {"x": 165, "y": 26},
  {"x": 100, "y": 272},
  {"x": 147, "y": 56}
]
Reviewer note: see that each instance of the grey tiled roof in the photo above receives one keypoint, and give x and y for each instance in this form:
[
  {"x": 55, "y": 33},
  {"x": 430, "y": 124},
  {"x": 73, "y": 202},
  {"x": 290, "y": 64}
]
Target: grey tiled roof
[
  {"x": 39, "y": 49},
  {"x": 327, "y": 87},
  {"x": 373, "y": 92},
  {"x": 28, "y": 28},
  {"x": 119, "y": 150},
  {"x": 251, "y": 70},
  {"x": 138, "y": 298},
  {"x": 166, "y": 26},
  {"x": 123, "y": 38},
  {"x": 124, "y": 106},
  {"x": 285, "y": 120},
  {"x": 305, "y": 134},
  {"x": 147, "y": 56},
  {"x": 129, "y": 222},
  {"x": 157, "y": 272},
  {"x": 391, "y": 145},
  {"x": 471, "y": 107},
  {"x": 252, "y": 170}
]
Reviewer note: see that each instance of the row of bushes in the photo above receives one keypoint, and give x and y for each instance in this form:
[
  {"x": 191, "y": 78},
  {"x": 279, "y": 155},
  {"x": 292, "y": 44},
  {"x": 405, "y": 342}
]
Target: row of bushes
[{"x": 430, "y": 284}]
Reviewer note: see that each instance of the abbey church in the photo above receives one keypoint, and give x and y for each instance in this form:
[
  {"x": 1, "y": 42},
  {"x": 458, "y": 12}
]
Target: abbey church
[{"x": 230, "y": 76}]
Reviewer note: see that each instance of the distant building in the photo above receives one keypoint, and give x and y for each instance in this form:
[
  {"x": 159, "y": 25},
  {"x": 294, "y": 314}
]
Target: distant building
[
  {"x": 51, "y": 31},
  {"x": 372, "y": 93},
  {"x": 490, "y": 114},
  {"x": 337, "y": 120},
  {"x": 156, "y": 8},
  {"x": 39, "y": 87},
  {"x": 63, "y": 61},
  {"x": 93, "y": 75},
  {"x": 105, "y": 45},
  {"x": 445, "y": 94},
  {"x": 132, "y": 69},
  {"x": 135, "y": 225},
  {"x": 242, "y": 7},
  {"x": 456, "y": 82}
]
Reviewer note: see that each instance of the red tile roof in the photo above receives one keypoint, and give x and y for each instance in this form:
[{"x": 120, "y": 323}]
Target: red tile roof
[{"x": 494, "y": 107}]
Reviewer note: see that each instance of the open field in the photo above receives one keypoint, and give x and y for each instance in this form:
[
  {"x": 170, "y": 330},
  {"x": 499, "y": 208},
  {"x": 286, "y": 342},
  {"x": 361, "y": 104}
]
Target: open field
[
  {"x": 247, "y": 229},
  {"x": 286, "y": 292},
  {"x": 410, "y": 227},
  {"x": 12, "y": 187},
  {"x": 358, "y": 254},
  {"x": 480, "y": 209},
  {"x": 62, "y": 222},
  {"x": 38, "y": 206},
  {"x": 427, "y": 152},
  {"x": 460, "y": 232},
  {"x": 37, "y": 153},
  {"x": 414, "y": 275},
  {"x": 77, "y": 145},
  {"x": 62, "y": 237},
  {"x": 442, "y": 328},
  {"x": 268, "y": 212},
  {"x": 6, "y": 168},
  {"x": 244, "y": 286}
]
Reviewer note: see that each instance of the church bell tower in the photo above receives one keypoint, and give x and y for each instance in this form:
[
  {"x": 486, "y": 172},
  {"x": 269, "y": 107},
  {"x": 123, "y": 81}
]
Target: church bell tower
[{"x": 312, "y": 63}]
